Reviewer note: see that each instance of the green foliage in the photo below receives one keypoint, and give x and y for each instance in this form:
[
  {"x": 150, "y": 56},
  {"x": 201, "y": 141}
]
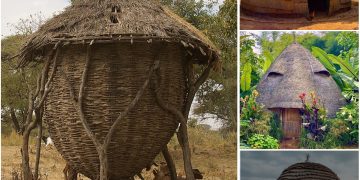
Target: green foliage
[
  {"x": 245, "y": 81},
  {"x": 346, "y": 124},
  {"x": 250, "y": 64},
  {"x": 313, "y": 117},
  {"x": 218, "y": 95},
  {"x": 341, "y": 70},
  {"x": 198, "y": 13},
  {"x": 275, "y": 127},
  {"x": 14, "y": 89},
  {"x": 260, "y": 141},
  {"x": 339, "y": 132},
  {"x": 254, "y": 119}
]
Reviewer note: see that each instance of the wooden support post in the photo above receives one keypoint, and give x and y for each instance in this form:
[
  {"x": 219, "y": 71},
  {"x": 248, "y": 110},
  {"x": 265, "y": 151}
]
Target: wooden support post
[{"x": 170, "y": 163}]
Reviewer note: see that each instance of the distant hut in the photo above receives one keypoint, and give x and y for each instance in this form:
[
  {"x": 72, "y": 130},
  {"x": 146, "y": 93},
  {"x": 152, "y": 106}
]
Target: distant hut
[
  {"x": 125, "y": 48},
  {"x": 294, "y": 7},
  {"x": 296, "y": 71},
  {"x": 308, "y": 170}
]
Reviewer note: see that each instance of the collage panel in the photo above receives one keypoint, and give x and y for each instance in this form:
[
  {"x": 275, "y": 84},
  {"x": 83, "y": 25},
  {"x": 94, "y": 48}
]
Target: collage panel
[
  {"x": 118, "y": 89},
  {"x": 299, "y": 90},
  {"x": 299, "y": 165}
]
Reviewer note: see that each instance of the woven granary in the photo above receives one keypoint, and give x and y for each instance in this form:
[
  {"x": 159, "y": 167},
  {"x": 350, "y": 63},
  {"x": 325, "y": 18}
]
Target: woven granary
[
  {"x": 296, "y": 71},
  {"x": 293, "y": 7},
  {"x": 122, "y": 41},
  {"x": 308, "y": 170}
]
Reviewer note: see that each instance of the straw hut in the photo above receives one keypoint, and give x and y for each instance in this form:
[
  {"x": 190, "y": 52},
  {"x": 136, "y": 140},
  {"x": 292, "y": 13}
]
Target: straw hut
[
  {"x": 294, "y": 7},
  {"x": 308, "y": 170},
  {"x": 296, "y": 71},
  {"x": 129, "y": 61}
]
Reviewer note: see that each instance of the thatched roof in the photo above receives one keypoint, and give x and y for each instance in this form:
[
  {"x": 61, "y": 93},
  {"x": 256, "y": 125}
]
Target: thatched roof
[
  {"x": 308, "y": 170},
  {"x": 296, "y": 71},
  {"x": 108, "y": 21}
]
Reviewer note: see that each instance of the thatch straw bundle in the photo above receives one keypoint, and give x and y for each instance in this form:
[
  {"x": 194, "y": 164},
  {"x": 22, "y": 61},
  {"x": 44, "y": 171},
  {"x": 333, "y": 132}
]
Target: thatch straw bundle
[
  {"x": 308, "y": 170},
  {"x": 127, "y": 60},
  {"x": 296, "y": 71}
]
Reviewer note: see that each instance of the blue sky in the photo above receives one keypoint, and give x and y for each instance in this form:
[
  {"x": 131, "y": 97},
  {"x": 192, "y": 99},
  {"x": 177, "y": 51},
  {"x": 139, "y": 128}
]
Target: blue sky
[{"x": 268, "y": 165}]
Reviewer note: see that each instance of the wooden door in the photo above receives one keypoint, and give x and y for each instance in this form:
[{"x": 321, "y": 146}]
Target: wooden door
[{"x": 291, "y": 123}]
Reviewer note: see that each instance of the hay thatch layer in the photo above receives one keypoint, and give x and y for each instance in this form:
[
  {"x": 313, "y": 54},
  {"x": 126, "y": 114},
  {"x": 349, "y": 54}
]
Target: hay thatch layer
[
  {"x": 308, "y": 170},
  {"x": 294, "y": 72},
  {"x": 118, "y": 20}
]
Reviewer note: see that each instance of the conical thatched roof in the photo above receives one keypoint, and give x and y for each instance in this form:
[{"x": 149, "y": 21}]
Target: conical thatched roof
[
  {"x": 308, "y": 170},
  {"x": 296, "y": 71},
  {"x": 118, "y": 20}
]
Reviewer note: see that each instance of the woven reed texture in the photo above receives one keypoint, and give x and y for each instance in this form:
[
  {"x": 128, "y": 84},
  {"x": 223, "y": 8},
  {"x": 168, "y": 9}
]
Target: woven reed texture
[
  {"x": 296, "y": 71},
  {"x": 289, "y": 7},
  {"x": 116, "y": 73},
  {"x": 308, "y": 170}
]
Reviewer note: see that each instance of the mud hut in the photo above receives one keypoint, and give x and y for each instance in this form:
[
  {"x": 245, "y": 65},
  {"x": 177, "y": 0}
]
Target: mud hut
[
  {"x": 296, "y": 71},
  {"x": 122, "y": 74},
  {"x": 294, "y": 7},
  {"x": 308, "y": 170}
]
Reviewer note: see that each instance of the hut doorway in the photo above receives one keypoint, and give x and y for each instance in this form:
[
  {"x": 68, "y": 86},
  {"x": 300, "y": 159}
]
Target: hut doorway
[
  {"x": 319, "y": 6},
  {"x": 291, "y": 123}
]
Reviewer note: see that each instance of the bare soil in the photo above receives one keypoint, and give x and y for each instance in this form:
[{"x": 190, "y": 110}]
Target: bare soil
[
  {"x": 348, "y": 20},
  {"x": 214, "y": 156}
]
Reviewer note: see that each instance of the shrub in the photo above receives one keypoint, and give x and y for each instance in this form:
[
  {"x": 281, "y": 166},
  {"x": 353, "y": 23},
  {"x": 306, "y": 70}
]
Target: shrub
[
  {"x": 255, "y": 119},
  {"x": 313, "y": 116},
  {"x": 345, "y": 125},
  {"x": 275, "y": 127},
  {"x": 260, "y": 141}
]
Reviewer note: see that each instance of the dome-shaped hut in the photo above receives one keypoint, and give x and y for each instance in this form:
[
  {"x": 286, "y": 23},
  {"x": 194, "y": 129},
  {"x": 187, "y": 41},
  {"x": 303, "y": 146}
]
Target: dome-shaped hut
[
  {"x": 296, "y": 71},
  {"x": 294, "y": 7},
  {"x": 122, "y": 61},
  {"x": 308, "y": 170}
]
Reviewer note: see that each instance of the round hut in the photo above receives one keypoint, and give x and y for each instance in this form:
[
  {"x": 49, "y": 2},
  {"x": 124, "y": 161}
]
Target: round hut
[
  {"x": 308, "y": 170},
  {"x": 120, "y": 66},
  {"x": 294, "y": 7},
  {"x": 296, "y": 71}
]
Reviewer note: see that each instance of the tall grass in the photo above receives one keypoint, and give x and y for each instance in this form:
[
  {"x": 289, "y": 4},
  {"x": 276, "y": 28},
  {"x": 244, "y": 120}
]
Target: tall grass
[{"x": 14, "y": 139}]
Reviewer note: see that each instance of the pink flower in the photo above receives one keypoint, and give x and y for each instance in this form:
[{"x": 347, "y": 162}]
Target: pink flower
[{"x": 302, "y": 96}]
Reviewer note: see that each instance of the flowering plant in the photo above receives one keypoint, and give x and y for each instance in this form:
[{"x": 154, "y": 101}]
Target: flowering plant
[{"x": 313, "y": 115}]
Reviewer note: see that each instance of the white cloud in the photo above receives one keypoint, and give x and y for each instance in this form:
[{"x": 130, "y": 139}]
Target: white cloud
[{"x": 13, "y": 10}]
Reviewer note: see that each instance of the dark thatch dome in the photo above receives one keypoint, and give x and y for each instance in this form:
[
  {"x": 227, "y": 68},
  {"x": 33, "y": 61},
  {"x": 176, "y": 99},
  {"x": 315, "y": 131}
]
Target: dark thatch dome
[
  {"x": 118, "y": 20},
  {"x": 296, "y": 71},
  {"x": 308, "y": 170}
]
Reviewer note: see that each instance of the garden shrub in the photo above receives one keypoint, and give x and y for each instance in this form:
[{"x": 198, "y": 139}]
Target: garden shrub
[
  {"x": 320, "y": 132},
  {"x": 315, "y": 128},
  {"x": 255, "y": 119},
  {"x": 275, "y": 127},
  {"x": 260, "y": 141}
]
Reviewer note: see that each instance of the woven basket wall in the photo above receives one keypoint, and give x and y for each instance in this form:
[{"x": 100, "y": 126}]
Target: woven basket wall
[{"x": 116, "y": 73}]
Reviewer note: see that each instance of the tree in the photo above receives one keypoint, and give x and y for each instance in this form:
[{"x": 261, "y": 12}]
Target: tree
[
  {"x": 218, "y": 95},
  {"x": 24, "y": 91}
]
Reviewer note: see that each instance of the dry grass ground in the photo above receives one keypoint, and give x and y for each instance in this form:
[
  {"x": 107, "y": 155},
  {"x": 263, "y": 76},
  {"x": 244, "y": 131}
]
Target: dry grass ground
[
  {"x": 348, "y": 20},
  {"x": 212, "y": 153}
]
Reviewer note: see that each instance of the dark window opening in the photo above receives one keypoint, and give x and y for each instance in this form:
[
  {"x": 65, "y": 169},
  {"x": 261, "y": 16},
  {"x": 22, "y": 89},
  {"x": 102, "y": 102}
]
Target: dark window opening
[
  {"x": 274, "y": 74},
  {"x": 318, "y": 5},
  {"x": 115, "y": 9},
  {"x": 114, "y": 19},
  {"x": 323, "y": 73}
]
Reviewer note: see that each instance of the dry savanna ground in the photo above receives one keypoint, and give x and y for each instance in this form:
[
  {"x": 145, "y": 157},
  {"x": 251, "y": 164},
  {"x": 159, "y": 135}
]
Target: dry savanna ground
[
  {"x": 212, "y": 153},
  {"x": 340, "y": 21}
]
